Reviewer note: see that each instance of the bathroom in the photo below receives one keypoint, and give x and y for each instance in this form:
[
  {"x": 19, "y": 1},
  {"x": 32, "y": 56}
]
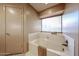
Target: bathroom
[{"x": 39, "y": 29}]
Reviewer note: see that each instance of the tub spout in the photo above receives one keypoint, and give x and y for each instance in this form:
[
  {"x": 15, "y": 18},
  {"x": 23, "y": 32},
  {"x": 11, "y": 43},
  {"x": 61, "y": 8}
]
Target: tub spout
[{"x": 65, "y": 45}]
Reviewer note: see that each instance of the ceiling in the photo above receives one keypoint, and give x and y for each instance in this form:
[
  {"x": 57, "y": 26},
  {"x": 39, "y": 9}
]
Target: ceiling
[{"x": 42, "y": 6}]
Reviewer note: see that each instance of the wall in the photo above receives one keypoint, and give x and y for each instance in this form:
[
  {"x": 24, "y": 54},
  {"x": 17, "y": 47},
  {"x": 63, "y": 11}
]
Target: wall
[
  {"x": 2, "y": 30},
  {"x": 70, "y": 23},
  {"x": 32, "y": 24},
  {"x": 33, "y": 20}
]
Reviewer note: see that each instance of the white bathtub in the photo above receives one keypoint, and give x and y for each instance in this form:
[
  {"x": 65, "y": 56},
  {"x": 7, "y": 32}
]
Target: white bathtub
[
  {"x": 53, "y": 44},
  {"x": 50, "y": 50}
]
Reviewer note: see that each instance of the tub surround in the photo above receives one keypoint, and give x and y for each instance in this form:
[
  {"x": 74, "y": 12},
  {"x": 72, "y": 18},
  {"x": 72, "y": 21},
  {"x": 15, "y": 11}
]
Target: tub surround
[{"x": 53, "y": 43}]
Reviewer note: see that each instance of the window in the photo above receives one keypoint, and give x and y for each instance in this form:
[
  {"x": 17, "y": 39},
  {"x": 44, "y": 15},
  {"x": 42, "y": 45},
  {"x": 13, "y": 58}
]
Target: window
[{"x": 52, "y": 24}]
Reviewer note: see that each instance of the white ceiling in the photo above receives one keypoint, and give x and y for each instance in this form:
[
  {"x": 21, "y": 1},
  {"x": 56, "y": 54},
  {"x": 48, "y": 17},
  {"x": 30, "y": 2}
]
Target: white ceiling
[{"x": 41, "y": 6}]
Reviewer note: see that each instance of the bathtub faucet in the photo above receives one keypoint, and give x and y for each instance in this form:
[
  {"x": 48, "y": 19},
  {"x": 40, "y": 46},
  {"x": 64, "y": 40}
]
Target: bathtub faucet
[{"x": 65, "y": 45}]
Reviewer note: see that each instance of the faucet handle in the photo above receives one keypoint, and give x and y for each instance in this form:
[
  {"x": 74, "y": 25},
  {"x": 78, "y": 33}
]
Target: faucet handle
[{"x": 66, "y": 41}]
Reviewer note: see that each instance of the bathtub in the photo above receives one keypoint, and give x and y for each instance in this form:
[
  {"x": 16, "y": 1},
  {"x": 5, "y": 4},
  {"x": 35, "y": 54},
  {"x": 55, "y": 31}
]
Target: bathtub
[{"x": 52, "y": 42}]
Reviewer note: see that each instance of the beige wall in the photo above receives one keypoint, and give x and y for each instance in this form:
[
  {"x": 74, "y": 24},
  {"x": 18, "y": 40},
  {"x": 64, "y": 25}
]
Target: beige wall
[
  {"x": 70, "y": 23},
  {"x": 2, "y": 30},
  {"x": 33, "y": 20},
  {"x": 32, "y": 23}
]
